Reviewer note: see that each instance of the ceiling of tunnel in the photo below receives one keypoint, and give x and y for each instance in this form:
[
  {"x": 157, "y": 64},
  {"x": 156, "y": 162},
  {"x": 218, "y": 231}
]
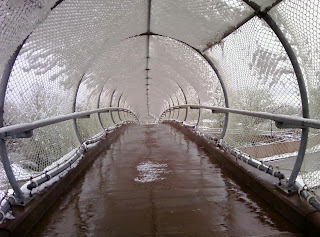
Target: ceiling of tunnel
[{"x": 108, "y": 43}]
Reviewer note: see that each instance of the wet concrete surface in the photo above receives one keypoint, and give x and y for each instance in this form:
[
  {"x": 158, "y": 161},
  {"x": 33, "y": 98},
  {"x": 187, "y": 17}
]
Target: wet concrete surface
[{"x": 155, "y": 182}]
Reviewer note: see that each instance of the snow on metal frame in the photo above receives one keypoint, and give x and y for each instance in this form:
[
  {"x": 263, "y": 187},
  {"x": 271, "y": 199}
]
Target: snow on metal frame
[
  {"x": 78, "y": 37},
  {"x": 176, "y": 61},
  {"x": 52, "y": 61},
  {"x": 199, "y": 23},
  {"x": 18, "y": 19},
  {"x": 259, "y": 77},
  {"x": 300, "y": 21}
]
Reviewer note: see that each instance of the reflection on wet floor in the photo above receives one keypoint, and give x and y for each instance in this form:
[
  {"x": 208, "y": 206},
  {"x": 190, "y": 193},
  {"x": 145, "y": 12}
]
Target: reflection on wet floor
[{"x": 154, "y": 181}]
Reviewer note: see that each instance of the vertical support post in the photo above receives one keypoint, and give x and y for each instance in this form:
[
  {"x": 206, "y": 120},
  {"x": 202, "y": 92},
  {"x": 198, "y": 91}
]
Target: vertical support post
[
  {"x": 111, "y": 115},
  {"x": 303, "y": 94},
  {"x": 178, "y": 109},
  {"x": 119, "y": 106},
  {"x": 169, "y": 109},
  {"x": 225, "y": 94},
  {"x": 75, "y": 126},
  {"x": 3, "y": 149},
  {"x": 199, "y": 115},
  {"x": 98, "y": 106},
  {"x": 125, "y": 113},
  {"x": 172, "y": 105},
  {"x": 186, "y": 102},
  {"x": 301, "y": 83}
]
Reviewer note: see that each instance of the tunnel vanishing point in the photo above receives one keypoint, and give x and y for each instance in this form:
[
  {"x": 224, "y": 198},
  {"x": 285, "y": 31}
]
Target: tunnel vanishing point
[{"x": 166, "y": 106}]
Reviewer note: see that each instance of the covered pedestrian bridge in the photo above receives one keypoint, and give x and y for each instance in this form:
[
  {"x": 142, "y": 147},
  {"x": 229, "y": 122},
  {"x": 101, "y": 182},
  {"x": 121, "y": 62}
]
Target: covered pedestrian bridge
[{"x": 239, "y": 78}]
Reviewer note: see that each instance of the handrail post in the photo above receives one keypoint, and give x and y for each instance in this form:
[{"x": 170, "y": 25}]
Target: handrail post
[
  {"x": 186, "y": 102},
  {"x": 118, "y": 106},
  {"x": 111, "y": 106},
  {"x": 173, "y": 105},
  {"x": 75, "y": 126},
  {"x": 178, "y": 109},
  {"x": 3, "y": 149},
  {"x": 198, "y": 114},
  {"x": 98, "y": 106}
]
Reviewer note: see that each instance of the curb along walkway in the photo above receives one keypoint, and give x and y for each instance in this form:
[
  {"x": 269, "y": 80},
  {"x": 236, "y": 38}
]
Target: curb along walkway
[{"x": 154, "y": 181}]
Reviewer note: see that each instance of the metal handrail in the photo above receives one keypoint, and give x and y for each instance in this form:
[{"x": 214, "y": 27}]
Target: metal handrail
[
  {"x": 23, "y": 128},
  {"x": 282, "y": 121}
]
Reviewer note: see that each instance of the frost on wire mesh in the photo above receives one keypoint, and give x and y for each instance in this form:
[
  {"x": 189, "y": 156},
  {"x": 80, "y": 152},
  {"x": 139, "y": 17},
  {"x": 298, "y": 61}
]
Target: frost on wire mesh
[
  {"x": 121, "y": 67},
  {"x": 198, "y": 23},
  {"x": 87, "y": 100},
  {"x": 105, "y": 102},
  {"x": 18, "y": 19},
  {"x": 50, "y": 64},
  {"x": 263, "y": 4},
  {"x": 259, "y": 77},
  {"x": 30, "y": 156},
  {"x": 300, "y": 22},
  {"x": 180, "y": 65}
]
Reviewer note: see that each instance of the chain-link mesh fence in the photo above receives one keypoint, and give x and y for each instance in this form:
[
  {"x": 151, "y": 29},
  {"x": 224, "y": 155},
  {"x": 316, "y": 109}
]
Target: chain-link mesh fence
[
  {"x": 259, "y": 77},
  {"x": 300, "y": 21},
  {"x": 106, "y": 41}
]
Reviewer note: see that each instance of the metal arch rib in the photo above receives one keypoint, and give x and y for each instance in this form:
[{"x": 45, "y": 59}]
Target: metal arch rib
[
  {"x": 173, "y": 114},
  {"x": 98, "y": 106},
  {"x": 111, "y": 105},
  {"x": 118, "y": 106},
  {"x": 75, "y": 126},
  {"x": 208, "y": 60},
  {"x": 303, "y": 92}
]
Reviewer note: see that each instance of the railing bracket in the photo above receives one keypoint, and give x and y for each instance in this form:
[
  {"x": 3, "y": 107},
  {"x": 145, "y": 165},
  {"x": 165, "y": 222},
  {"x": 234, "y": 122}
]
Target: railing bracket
[
  {"x": 288, "y": 125},
  {"x": 25, "y": 134},
  {"x": 85, "y": 116},
  {"x": 288, "y": 190}
]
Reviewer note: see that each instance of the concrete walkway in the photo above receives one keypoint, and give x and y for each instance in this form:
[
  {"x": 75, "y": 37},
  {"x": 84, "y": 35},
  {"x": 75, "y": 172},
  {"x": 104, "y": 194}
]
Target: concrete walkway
[{"x": 155, "y": 182}]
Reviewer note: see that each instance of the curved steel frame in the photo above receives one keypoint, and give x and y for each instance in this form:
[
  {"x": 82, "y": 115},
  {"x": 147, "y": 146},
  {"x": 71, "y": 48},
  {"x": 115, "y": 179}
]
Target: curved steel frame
[
  {"x": 111, "y": 105},
  {"x": 3, "y": 149},
  {"x": 208, "y": 60},
  {"x": 303, "y": 92},
  {"x": 173, "y": 105},
  {"x": 186, "y": 102},
  {"x": 118, "y": 106},
  {"x": 272, "y": 25},
  {"x": 75, "y": 126},
  {"x": 199, "y": 115},
  {"x": 98, "y": 106}
]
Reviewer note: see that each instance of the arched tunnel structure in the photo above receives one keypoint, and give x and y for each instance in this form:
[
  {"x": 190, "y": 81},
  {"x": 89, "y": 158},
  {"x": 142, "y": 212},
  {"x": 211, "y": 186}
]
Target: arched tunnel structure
[{"x": 242, "y": 73}]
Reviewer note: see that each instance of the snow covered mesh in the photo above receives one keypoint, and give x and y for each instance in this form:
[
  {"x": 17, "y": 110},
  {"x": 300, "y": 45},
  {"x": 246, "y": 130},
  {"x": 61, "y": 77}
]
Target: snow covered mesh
[
  {"x": 30, "y": 156},
  {"x": 87, "y": 100},
  {"x": 45, "y": 75},
  {"x": 301, "y": 23},
  {"x": 259, "y": 77},
  {"x": 105, "y": 42},
  {"x": 4, "y": 183},
  {"x": 105, "y": 102},
  {"x": 194, "y": 21},
  {"x": 18, "y": 19},
  {"x": 174, "y": 65}
]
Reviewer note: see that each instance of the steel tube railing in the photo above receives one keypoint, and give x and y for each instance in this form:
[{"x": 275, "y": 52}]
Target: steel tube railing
[
  {"x": 282, "y": 121},
  {"x": 13, "y": 130},
  {"x": 25, "y": 130}
]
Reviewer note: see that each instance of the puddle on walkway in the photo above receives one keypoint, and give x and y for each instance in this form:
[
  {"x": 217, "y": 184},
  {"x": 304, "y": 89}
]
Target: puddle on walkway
[{"x": 151, "y": 172}]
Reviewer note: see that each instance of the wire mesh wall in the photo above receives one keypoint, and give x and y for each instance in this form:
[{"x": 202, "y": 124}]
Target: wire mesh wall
[
  {"x": 259, "y": 77},
  {"x": 300, "y": 19},
  {"x": 113, "y": 44}
]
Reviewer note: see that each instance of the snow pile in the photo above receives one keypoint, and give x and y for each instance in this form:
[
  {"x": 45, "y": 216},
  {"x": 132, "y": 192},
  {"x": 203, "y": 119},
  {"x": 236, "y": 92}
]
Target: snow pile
[{"x": 151, "y": 172}]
